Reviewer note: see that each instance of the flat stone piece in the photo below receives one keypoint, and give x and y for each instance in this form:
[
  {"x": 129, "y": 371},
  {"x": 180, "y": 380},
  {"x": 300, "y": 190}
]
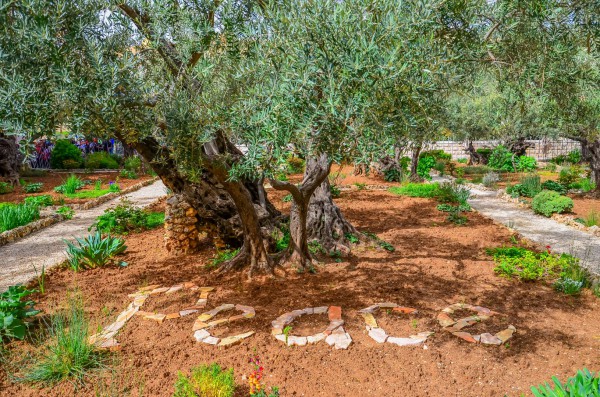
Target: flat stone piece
[
  {"x": 333, "y": 325},
  {"x": 140, "y": 300},
  {"x": 156, "y": 317},
  {"x": 320, "y": 310},
  {"x": 309, "y": 310},
  {"x": 117, "y": 325},
  {"x": 211, "y": 340},
  {"x": 481, "y": 309},
  {"x": 276, "y": 331},
  {"x": 505, "y": 335},
  {"x": 464, "y": 322},
  {"x": 335, "y": 313},
  {"x": 378, "y": 335},
  {"x": 370, "y": 309},
  {"x": 207, "y": 289},
  {"x": 171, "y": 316},
  {"x": 201, "y": 302},
  {"x": 370, "y": 320},
  {"x": 405, "y": 310},
  {"x": 205, "y": 317},
  {"x": 405, "y": 341},
  {"x": 109, "y": 344},
  {"x": 216, "y": 310},
  {"x": 249, "y": 315},
  {"x": 184, "y": 313},
  {"x": 217, "y": 322},
  {"x": 159, "y": 290},
  {"x": 489, "y": 339},
  {"x": 233, "y": 340},
  {"x": 188, "y": 285},
  {"x": 174, "y": 288},
  {"x": 424, "y": 334},
  {"x": 149, "y": 287},
  {"x": 297, "y": 340},
  {"x": 386, "y": 305},
  {"x": 234, "y": 318},
  {"x": 281, "y": 337},
  {"x": 466, "y": 336},
  {"x": 127, "y": 314},
  {"x": 201, "y": 334},
  {"x": 298, "y": 313},
  {"x": 316, "y": 338},
  {"x": 445, "y": 320},
  {"x": 204, "y": 294},
  {"x": 244, "y": 308},
  {"x": 343, "y": 341},
  {"x": 199, "y": 325}
]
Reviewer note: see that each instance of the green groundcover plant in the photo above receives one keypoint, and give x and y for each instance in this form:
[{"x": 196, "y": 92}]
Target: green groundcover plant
[
  {"x": 125, "y": 218},
  {"x": 427, "y": 190},
  {"x": 206, "y": 381},
  {"x": 548, "y": 202},
  {"x": 14, "y": 311},
  {"x": 583, "y": 384}
]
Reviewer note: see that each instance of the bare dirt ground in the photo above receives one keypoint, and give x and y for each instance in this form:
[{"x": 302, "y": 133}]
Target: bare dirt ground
[{"x": 435, "y": 264}]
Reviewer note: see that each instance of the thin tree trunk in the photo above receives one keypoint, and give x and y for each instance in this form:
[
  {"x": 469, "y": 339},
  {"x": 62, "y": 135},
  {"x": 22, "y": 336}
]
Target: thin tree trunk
[{"x": 414, "y": 164}]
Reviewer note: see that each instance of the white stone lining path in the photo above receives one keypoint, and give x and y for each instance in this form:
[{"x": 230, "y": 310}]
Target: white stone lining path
[
  {"x": 46, "y": 247},
  {"x": 539, "y": 229}
]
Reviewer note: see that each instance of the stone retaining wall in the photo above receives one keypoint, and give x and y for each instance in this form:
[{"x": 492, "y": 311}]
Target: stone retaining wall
[
  {"x": 181, "y": 226},
  {"x": 17, "y": 233},
  {"x": 543, "y": 149}
]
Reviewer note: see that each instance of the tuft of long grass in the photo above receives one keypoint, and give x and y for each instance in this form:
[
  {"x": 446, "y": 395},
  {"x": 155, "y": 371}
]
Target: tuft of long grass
[
  {"x": 68, "y": 356},
  {"x": 428, "y": 190},
  {"x": 12, "y": 216}
]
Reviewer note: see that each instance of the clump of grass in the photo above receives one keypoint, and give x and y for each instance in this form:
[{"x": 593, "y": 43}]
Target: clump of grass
[
  {"x": 72, "y": 184},
  {"x": 69, "y": 356},
  {"x": 206, "y": 381},
  {"x": 592, "y": 219},
  {"x": 13, "y": 216},
  {"x": 88, "y": 194},
  {"x": 426, "y": 190}
]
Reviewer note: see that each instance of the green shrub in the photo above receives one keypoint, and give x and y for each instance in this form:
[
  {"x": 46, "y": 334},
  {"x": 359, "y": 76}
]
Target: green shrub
[
  {"x": 501, "y": 159},
  {"x": 125, "y": 218},
  {"x": 574, "y": 157},
  {"x": 114, "y": 187},
  {"x": 529, "y": 187},
  {"x": 463, "y": 161},
  {"x": 582, "y": 384},
  {"x": 475, "y": 170},
  {"x": 393, "y": 175},
  {"x": 65, "y": 211},
  {"x": 100, "y": 160},
  {"x": 550, "y": 167},
  {"x": 72, "y": 184},
  {"x": 586, "y": 185},
  {"x": 526, "y": 164},
  {"x": 568, "y": 286},
  {"x": 65, "y": 155},
  {"x": 133, "y": 164},
  {"x": 528, "y": 265},
  {"x": 426, "y": 163},
  {"x": 455, "y": 216},
  {"x": 33, "y": 187},
  {"x": 206, "y": 381},
  {"x": 440, "y": 166},
  {"x": 452, "y": 193},
  {"x": 490, "y": 179},
  {"x": 14, "y": 310},
  {"x": 295, "y": 165},
  {"x": 334, "y": 190},
  {"x": 118, "y": 158},
  {"x": 549, "y": 202},
  {"x": 427, "y": 190},
  {"x": 6, "y": 188},
  {"x": 282, "y": 240},
  {"x": 554, "y": 186},
  {"x": 127, "y": 174},
  {"x": 45, "y": 200},
  {"x": 569, "y": 175},
  {"x": 69, "y": 355},
  {"x": 437, "y": 154},
  {"x": 93, "y": 251},
  {"x": 13, "y": 216}
]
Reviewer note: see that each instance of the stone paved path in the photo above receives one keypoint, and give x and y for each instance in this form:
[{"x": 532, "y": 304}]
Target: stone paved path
[
  {"x": 539, "y": 229},
  {"x": 46, "y": 247}
]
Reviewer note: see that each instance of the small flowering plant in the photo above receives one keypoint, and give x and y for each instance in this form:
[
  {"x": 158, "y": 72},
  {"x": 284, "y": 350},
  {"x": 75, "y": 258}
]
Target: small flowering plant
[{"x": 257, "y": 389}]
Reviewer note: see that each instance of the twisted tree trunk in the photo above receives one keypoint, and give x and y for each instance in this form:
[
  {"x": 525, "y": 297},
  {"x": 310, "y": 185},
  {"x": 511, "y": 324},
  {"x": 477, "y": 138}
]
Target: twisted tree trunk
[
  {"x": 414, "y": 165},
  {"x": 10, "y": 159}
]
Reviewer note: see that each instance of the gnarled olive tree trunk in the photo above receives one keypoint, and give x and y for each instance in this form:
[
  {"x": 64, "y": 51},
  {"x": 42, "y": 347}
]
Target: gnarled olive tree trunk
[
  {"x": 10, "y": 159},
  {"x": 590, "y": 150},
  {"x": 414, "y": 164}
]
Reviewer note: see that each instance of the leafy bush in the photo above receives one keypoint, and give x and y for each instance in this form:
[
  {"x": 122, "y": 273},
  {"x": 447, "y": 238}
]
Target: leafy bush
[
  {"x": 490, "y": 179},
  {"x": 295, "y": 165},
  {"x": 44, "y": 200},
  {"x": 72, "y": 184},
  {"x": 33, "y": 187},
  {"x": 463, "y": 161},
  {"x": 440, "y": 166},
  {"x": 335, "y": 191},
  {"x": 529, "y": 265},
  {"x": 437, "y": 154},
  {"x": 529, "y": 187},
  {"x": 114, "y": 187},
  {"x": 526, "y": 164},
  {"x": 65, "y": 211},
  {"x": 582, "y": 384},
  {"x": 393, "y": 175},
  {"x": 13, "y": 216},
  {"x": 5, "y": 188},
  {"x": 453, "y": 193},
  {"x": 133, "y": 164},
  {"x": 475, "y": 170},
  {"x": 14, "y": 310},
  {"x": 456, "y": 217},
  {"x": 428, "y": 190},
  {"x": 549, "y": 202},
  {"x": 69, "y": 356},
  {"x": 100, "y": 160},
  {"x": 554, "y": 186},
  {"x": 65, "y": 155},
  {"x": 206, "y": 381},
  {"x": 127, "y": 174},
  {"x": 125, "y": 218},
  {"x": 568, "y": 286},
  {"x": 426, "y": 163},
  {"x": 501, "y": 159},
  {"x": 93, "y": 251},
  {"x": 574, "y": 157},
  {"x": 586, "y": 185},
  {"x": 569, "y": 175}
]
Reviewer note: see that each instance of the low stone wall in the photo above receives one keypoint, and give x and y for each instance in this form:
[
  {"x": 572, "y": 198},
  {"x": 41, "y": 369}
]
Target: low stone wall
[
  {"x": 17, "y": 233},
  {"x": 543, "y": 149},
  {"x": 181, "y": 226}
]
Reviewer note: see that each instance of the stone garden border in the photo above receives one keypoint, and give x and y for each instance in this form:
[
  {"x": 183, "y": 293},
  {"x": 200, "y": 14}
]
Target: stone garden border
[
  {"x": 483, "y": 313},
  {"x": 380, "y": 336},
  {"x": 334, "y": 334},
  {"x": 201, "y": 326},
  {"x": 10, "y": 236}
]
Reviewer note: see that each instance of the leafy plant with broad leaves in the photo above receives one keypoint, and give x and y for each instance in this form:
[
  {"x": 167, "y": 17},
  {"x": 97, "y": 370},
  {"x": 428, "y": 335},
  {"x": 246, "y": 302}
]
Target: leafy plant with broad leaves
[
  {"x": 93, "y": 251},
  {"x": 33, "y": 187},
  {"x": 14, "y": 310}
]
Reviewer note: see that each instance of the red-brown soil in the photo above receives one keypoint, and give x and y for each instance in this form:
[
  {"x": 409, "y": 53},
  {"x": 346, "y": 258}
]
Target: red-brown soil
[
  {"x": 54, "y": 179},
  {"x": 435, "y": 264}
]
